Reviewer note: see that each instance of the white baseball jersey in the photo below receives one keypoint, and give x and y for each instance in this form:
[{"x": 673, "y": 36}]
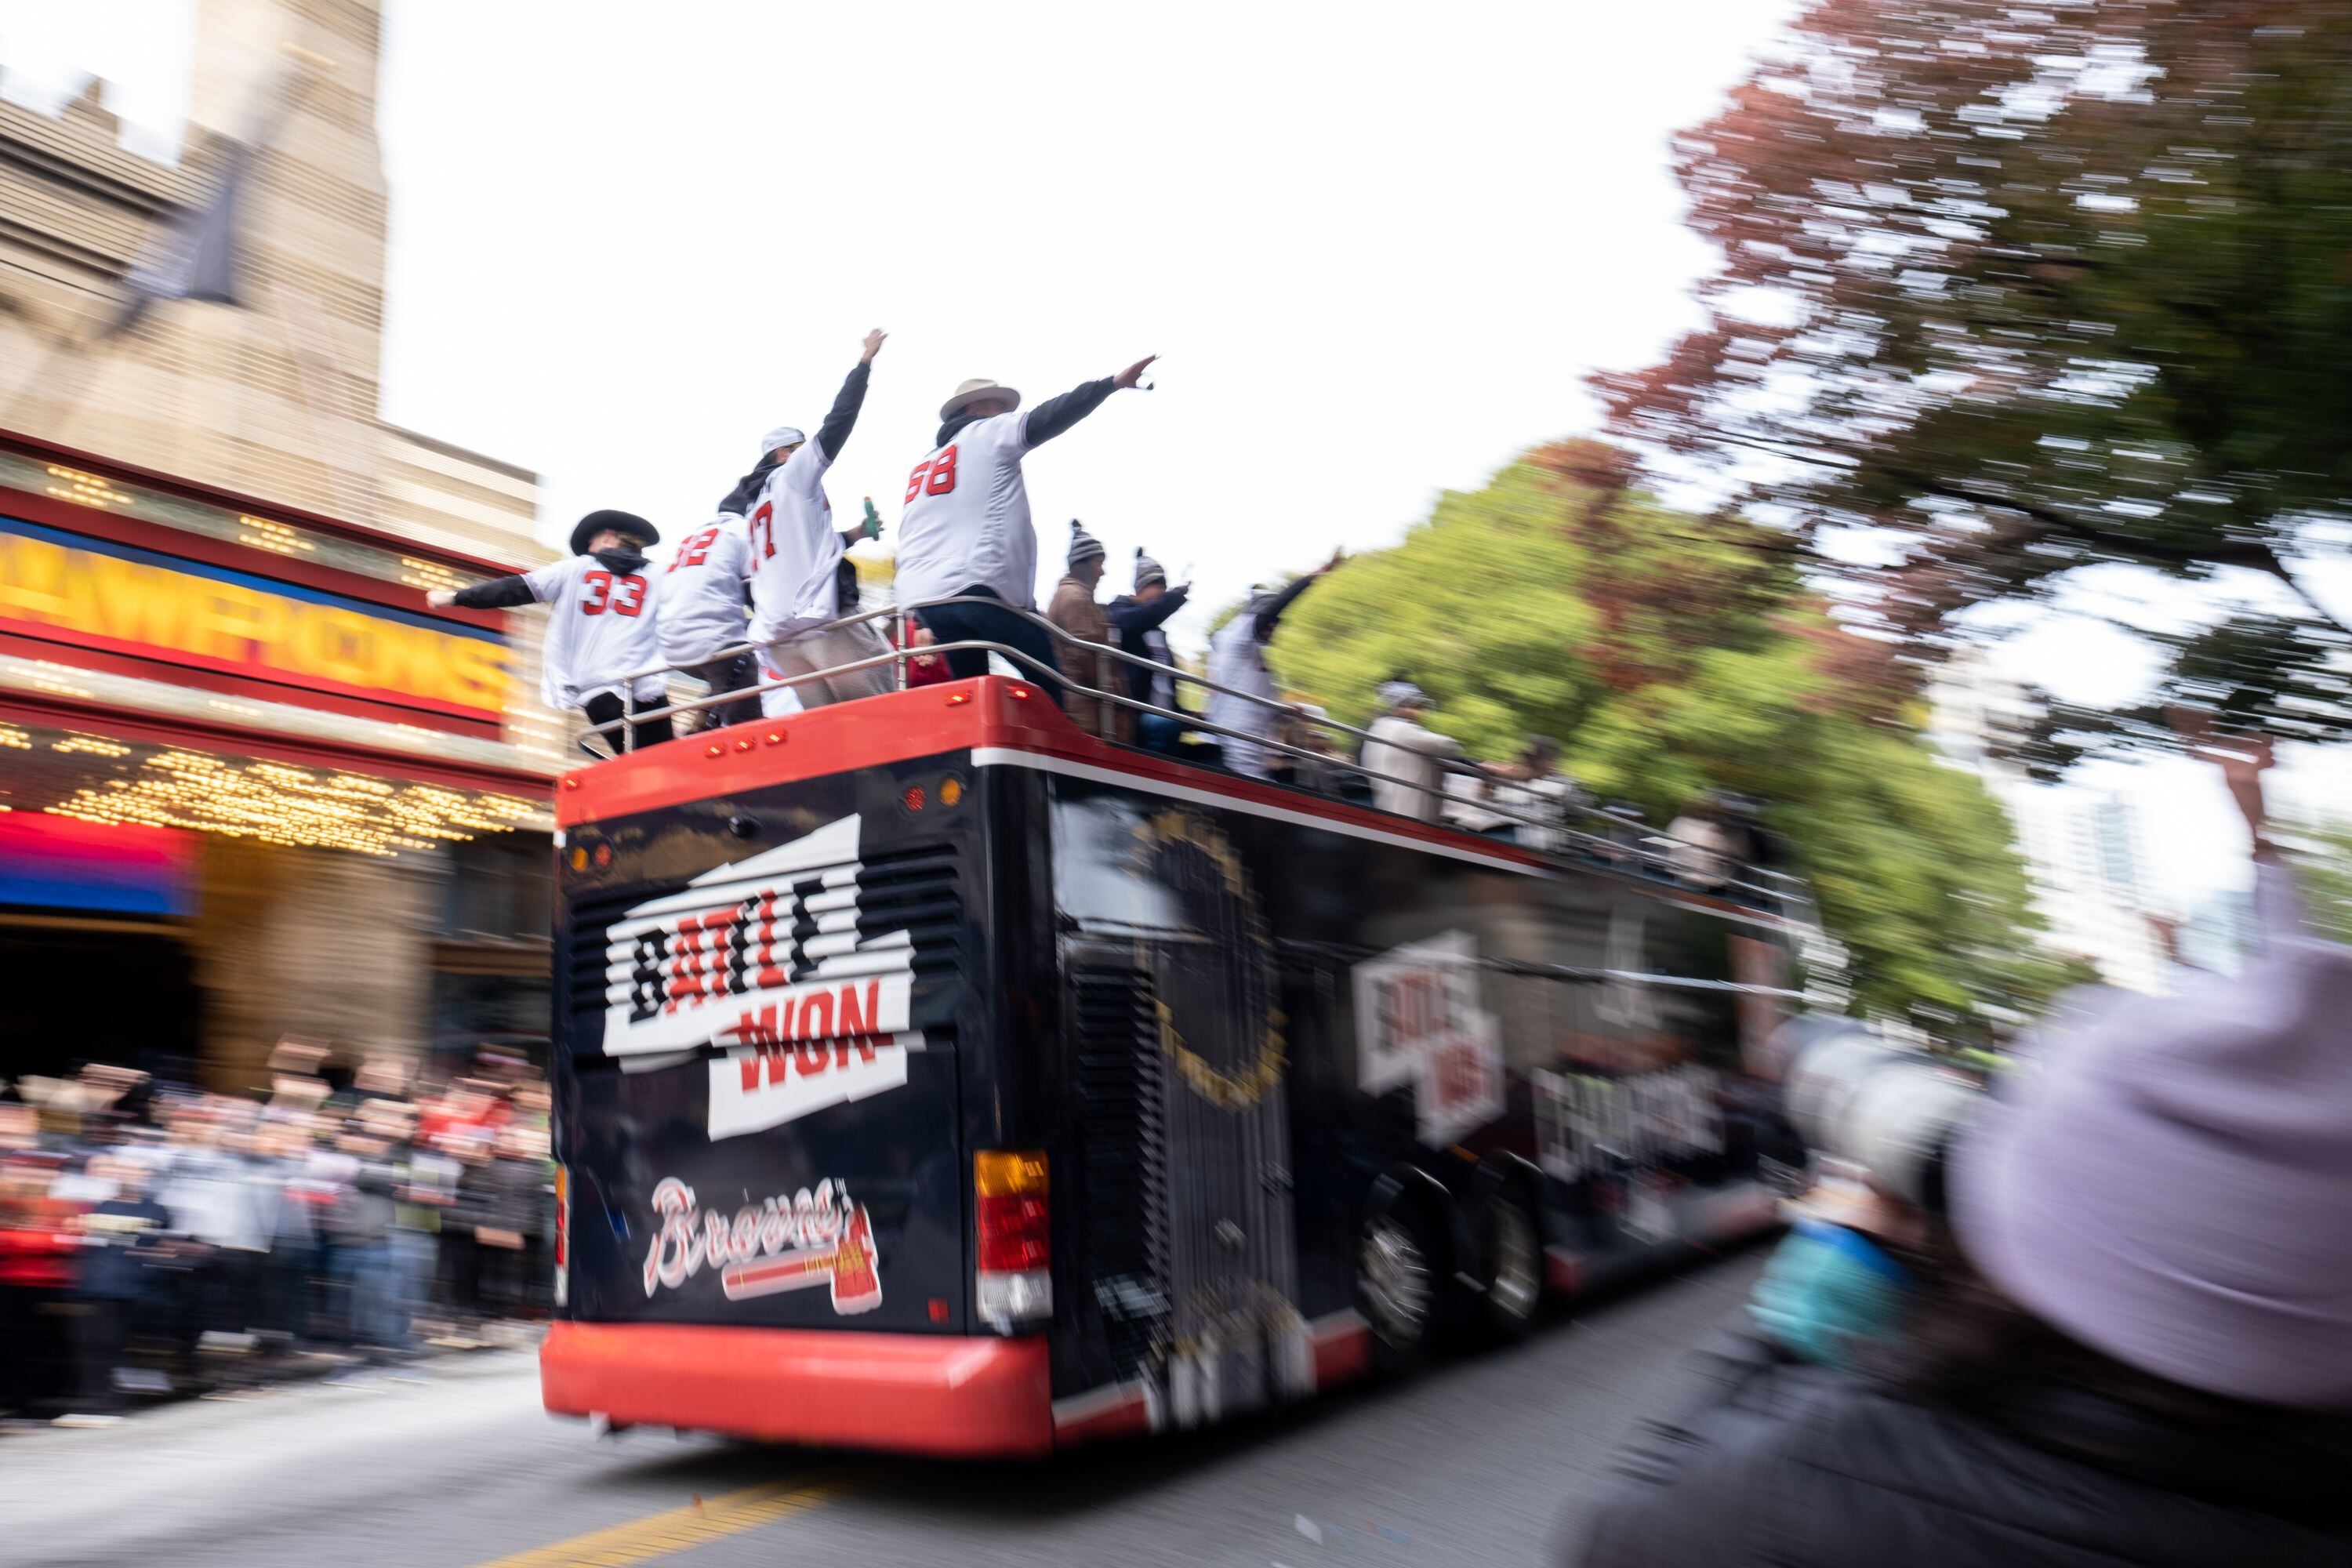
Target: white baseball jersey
[
  {"x": 966, "y": 522},
  {"x": 792, "y": 548},
  {"x": 600, "y": 630},
  {"x": 702, "y": 590}
]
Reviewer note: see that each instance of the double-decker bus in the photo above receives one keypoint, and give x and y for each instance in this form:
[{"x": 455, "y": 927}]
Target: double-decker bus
[{"x": 932, "y": 1076}]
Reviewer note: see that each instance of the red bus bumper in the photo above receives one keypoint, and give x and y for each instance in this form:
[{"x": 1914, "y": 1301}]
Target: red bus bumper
[{"x": 913, "y": 1394}]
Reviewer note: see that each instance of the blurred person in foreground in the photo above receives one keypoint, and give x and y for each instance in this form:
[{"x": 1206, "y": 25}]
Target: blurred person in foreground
[
  {"x": 2130, "y": 1343},
  {"x": 1075, "y": 613},
  {"x": 1406, "y": 758},
  {"x": 1249, "y": 705},
  {"x": 1137, "y": 621}
]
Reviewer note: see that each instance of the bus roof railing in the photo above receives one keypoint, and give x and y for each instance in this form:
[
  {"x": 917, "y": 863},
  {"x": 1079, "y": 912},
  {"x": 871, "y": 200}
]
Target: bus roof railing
[{"x": 1650, "y": 852}]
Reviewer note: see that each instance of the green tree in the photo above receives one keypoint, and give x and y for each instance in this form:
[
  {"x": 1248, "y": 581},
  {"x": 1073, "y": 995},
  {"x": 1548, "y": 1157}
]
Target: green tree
[
  {"x": 2323, "y": 853},
  {"x": 1675, "y": 654},
  {"x": 2023, "y": 290}
]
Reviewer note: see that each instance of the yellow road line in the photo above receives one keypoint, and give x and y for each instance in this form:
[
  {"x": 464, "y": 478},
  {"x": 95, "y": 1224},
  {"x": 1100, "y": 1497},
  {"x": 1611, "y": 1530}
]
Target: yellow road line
[{"x": 658, "y": 1535}]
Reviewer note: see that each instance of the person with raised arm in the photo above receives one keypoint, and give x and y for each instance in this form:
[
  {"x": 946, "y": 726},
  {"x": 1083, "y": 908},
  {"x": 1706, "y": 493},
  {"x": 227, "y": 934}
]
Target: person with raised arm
[{"x": 966, "y": 534}]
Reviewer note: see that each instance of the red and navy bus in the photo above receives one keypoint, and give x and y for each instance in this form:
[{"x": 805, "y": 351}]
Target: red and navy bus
[{"x": 933, "y": 1077}]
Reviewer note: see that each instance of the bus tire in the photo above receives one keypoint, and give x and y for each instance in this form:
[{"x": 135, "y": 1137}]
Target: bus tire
[
  {"x": 1512, "y": 1266},
  {"x": 1402, "y": 1270}
]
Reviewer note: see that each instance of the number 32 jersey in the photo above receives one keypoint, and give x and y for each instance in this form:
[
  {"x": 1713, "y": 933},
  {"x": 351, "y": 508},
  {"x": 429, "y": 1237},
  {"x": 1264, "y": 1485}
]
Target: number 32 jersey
[
  {"x": 600, "y": 633},
  {"x": 966, "y": 521}
]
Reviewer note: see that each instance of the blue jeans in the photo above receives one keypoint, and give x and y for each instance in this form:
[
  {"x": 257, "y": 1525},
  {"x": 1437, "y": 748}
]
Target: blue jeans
[
  {"x": 1154, "y": 733},
  {"x": 414, "y": 1255},
  {"x": 365, "y": 1269},
  {"x": 997, "y": 623}
]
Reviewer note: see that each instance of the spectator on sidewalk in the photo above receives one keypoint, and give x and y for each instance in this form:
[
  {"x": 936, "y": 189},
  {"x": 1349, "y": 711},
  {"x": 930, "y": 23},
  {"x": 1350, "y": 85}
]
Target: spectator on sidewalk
[
  {"x": 361, "y": 1223},
  {"x": 1137, "y": 621},
  {"x": 119, "y": 1290},
  {"x": 1077, "y": 614},
  {"x": 1404, "y": 757},
  {"x": 1249, "y": 706}
]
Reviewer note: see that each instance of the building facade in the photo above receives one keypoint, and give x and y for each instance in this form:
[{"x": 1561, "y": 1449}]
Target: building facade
[
  {"x": 249, "y": 786},
  {"x": 2082, "y": 846}
]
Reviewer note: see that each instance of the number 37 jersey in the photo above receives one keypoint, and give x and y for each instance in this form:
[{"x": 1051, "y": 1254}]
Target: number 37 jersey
[
  {"x": 599, "y": 632},
  {"x": 966, "y": 520}
]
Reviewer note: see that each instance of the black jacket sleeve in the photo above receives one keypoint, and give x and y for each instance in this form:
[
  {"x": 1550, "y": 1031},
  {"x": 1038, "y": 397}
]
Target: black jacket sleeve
[
  {"x": 497, "y": 594},
  {"x": 1055, "y": 415},
  {"x": 834, "y": 431},
  {"x": 1271, "y": 617},
  {"x": 1133, "y": 617}
]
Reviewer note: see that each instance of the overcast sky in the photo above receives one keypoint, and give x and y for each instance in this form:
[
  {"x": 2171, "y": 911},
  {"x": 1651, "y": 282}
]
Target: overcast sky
[{"x": 1378, "y": 246}]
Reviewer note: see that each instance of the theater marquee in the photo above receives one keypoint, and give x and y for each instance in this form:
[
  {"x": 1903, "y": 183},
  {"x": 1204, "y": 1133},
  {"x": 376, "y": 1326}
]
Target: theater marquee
[{"x": 119, "y": 599}]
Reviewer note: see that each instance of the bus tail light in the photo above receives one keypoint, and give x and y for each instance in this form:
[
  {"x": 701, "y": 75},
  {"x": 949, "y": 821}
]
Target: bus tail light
[
  {"x": 563, "y": 1233},
  {"x": 1013, "y": 1281}
]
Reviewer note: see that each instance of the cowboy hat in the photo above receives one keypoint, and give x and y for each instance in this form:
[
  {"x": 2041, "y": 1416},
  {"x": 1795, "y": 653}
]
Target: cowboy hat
[
  {"x": 596, "y": 522},
  {"x": 979, "y": 386}
]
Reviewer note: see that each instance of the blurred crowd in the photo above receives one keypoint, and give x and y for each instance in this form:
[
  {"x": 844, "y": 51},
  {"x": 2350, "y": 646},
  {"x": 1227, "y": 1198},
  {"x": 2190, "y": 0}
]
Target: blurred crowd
[{"x": 159, "y": 1239}]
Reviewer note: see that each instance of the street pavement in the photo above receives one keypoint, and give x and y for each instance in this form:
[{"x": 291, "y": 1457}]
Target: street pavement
[{"x": 1491, "y": 1459}]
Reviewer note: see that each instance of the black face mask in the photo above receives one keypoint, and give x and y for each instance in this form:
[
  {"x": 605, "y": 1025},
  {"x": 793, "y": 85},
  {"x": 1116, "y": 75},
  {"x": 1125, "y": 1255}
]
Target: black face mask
[{"x": 625, "y": 560}]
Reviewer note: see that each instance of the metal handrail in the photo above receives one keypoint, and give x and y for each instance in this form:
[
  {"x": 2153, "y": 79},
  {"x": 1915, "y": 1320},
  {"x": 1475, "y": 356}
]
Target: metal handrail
[{"x": 1789, "y": 893}]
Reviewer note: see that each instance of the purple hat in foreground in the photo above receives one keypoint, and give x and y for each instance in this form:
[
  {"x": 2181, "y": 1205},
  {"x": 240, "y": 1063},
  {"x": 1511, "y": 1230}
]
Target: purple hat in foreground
[{"x": 2171, "y": 1184}]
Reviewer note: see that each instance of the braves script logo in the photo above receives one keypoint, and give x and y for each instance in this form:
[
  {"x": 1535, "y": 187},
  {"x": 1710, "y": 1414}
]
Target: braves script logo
[
  {"x": 783, "y": 1244},
  {"x": 768, "y": 950},
  {"x": 769, "y": 1085}
]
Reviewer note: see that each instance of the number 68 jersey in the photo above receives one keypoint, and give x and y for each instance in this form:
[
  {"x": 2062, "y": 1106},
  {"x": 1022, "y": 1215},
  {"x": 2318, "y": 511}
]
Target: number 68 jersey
[
  {"x": 966, "y": 522},
  {"x": 602, "y": 629}
]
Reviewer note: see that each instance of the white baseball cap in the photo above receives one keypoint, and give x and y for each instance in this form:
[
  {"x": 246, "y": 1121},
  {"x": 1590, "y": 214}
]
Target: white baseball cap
[{"x": 782, "y": 435}]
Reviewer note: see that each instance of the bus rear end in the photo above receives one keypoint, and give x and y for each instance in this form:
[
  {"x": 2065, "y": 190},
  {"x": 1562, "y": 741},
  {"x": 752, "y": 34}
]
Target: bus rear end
[{"x": 782, "y": 1216}]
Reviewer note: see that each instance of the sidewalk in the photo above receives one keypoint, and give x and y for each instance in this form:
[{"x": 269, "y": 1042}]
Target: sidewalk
[{"x": 235, "y": 1367}]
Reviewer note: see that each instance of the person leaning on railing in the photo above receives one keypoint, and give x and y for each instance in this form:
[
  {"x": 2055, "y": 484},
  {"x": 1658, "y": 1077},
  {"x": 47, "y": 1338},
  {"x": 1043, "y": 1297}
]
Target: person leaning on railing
[
  {"x": 796, "y": 559},
  {"x": 1411, "y": 755},
  {"x": 1249, "y": 711},
  {"x": 965, "y": 532},
  {"x": 1077, "y": 615},
  {"x": 1135, "y": 621},
  {"x": 602, "y": 624}
]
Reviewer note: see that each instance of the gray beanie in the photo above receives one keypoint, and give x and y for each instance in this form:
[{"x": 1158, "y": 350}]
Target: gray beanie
[
  {"x": 1148, "y": 570},
  {"x": 1084, "y": 546},
  {"x": 2170, "y": 1181}
]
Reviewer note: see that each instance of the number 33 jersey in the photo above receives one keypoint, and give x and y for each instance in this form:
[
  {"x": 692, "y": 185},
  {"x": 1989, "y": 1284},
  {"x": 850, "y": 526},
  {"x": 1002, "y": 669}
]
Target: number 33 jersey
[
  {"x": 599, "y": 632},
  {"x": 966, "y": 522}
]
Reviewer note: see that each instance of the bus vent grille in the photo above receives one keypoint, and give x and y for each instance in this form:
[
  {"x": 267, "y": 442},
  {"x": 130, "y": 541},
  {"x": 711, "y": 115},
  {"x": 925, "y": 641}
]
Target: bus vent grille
[{"x": 1123, "y": 1144}]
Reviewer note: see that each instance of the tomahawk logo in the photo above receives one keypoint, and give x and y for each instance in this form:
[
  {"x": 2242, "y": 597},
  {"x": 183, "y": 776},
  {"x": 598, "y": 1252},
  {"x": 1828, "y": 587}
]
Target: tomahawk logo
[{"x": 767, "y": 951}]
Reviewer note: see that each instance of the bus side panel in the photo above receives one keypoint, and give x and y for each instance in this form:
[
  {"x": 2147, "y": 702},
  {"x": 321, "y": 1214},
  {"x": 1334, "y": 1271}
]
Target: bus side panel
[{"x": 1434, "y": 1015}]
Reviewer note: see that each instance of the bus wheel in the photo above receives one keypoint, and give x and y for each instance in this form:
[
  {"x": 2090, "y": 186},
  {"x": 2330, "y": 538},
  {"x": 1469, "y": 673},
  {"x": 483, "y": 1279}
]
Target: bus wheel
[
  {"x": 1398, "y": 1270},
  {"x": 1515, "y": 1267}
]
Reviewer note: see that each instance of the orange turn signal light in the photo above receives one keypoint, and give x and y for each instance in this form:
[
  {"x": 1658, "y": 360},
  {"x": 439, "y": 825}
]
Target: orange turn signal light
[
  {"x": 714, "y": 749},
  {"x": 775, "y": 737},
  {"x": 1008, "y": 1172},
  {"x": 958, "y": 699}
]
